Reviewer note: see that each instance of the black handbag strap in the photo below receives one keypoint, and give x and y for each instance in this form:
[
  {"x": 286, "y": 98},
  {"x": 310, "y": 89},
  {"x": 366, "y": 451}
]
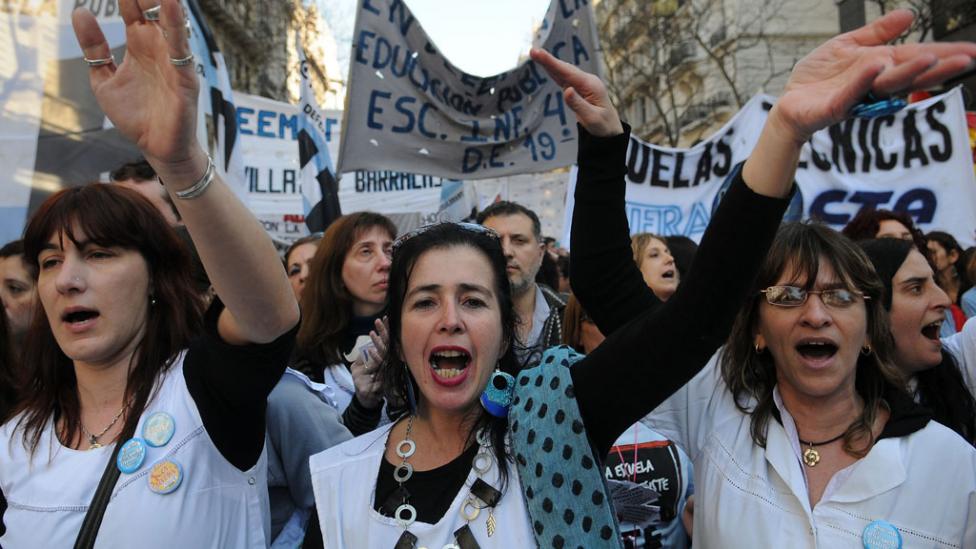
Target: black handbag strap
[{"x": 103, "y": 493}]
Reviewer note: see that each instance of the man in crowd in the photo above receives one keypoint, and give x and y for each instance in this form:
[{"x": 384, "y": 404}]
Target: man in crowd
[
  {"x": 17, "y": 291},
  {"x": 539, "y": 308},
  {"x": 140, "y": 177}
]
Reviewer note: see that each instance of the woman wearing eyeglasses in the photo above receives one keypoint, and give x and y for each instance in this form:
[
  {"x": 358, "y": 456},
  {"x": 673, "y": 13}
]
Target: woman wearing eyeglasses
[
  {"x": 476, "y": 464},
  {"x": 801, "y": 431}
]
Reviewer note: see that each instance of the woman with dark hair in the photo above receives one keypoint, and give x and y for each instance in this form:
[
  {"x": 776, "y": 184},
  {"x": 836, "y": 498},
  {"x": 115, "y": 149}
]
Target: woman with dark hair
[
  {"x": 950, "y": 273},
  {"x": 342, "y": 337},
  {"x": 143, "y": 421},
  {"x": 869, "y": 224},
  {"x": 942, "y": 372},
  {"x": 298, "y": 260},
  {"x": 484, "y": 459},
  {"x": 801, "y": 431}
]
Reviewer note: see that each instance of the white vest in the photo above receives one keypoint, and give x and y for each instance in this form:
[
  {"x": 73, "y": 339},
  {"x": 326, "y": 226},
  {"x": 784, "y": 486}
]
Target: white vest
[
  {"x": 216, "y": 505},
  {"x": 344, "y": 480}
]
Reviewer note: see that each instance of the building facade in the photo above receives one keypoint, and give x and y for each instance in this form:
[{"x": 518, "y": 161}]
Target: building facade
[
  {"x": 679, "y": 69},
  {"x": 257, "y": 38}
]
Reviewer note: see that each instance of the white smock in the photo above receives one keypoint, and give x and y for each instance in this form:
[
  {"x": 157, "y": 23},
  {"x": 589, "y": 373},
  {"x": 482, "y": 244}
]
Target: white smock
[
  {"x": 923, "y": 484},
  {"x": 215, "y": 505},
  {"x": 344, "y": 481}
]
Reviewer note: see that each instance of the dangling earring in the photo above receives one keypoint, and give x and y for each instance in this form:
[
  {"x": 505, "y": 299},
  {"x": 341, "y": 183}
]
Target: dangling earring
[
  {"x": 497, "y": 396},
  {"x": 866, "y": 350},
  {"x": 152, "y": 300}
]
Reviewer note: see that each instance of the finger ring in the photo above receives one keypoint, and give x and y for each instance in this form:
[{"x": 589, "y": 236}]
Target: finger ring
[
  {"x": 152, "y": 14},
  {"x": 182, "y": 62},
  {"x": 99, "y": 62}
]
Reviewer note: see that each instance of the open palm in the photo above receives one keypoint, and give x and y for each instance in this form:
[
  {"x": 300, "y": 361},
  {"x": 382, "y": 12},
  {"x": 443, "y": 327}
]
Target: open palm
[
  {"x": 826, "y": 84},
  {"x": 150, "y": 100}
]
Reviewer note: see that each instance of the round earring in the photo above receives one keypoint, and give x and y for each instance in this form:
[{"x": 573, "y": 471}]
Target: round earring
[
  {"x": 497, "y": 396},
  {"x": 759, "y": 350},
  {"x": 152, "y": 300},
  {"x": 866, "y": 350}
]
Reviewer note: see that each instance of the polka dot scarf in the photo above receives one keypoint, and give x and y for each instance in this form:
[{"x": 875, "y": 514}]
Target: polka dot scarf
[{"x": 564, "y": 488}]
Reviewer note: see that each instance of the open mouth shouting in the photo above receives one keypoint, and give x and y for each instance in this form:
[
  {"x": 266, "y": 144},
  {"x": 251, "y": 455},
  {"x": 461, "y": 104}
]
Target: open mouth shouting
[
  {"x": 449, "y": 365},
  {"x": 668, "y": 274},
  {"x": 816, "y": 352},
  {"x": 932, "y": 330},
  {"x": 79, "y": 319}
]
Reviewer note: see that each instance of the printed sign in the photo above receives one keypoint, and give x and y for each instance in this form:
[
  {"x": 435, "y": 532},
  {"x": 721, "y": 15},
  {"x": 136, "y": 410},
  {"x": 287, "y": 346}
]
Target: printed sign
[{"x": 413, "y": 111}]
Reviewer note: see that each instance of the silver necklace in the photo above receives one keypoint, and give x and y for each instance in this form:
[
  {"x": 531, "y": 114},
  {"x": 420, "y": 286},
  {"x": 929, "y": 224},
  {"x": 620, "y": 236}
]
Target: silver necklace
[
  {"x": 93, "y": 439},
  {"x": 480, "y": 495}
]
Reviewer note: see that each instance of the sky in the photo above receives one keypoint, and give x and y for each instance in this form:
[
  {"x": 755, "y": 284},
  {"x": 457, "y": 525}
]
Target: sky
[{"x": 479, "y": 36}]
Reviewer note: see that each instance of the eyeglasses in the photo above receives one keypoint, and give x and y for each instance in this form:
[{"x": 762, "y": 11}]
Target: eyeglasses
[
  {"x": 470, "y": 227},
  {"x": 791, "y": 296}
]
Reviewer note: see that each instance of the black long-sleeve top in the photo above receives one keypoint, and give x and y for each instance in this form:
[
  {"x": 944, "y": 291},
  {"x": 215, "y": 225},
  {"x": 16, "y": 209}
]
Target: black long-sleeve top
[{"x": 653, "y": 348}]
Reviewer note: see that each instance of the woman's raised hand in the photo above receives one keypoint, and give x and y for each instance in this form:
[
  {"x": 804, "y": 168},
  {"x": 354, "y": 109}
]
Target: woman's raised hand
[
  {"x": 826, "y": 84},
  {"x": 148, "y": 97},
  {"x": 585, "y": 93}
]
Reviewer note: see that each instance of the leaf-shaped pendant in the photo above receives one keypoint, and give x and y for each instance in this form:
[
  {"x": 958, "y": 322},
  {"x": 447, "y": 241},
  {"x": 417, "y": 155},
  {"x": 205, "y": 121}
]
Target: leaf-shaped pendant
[{"x": 491, "y": 523}]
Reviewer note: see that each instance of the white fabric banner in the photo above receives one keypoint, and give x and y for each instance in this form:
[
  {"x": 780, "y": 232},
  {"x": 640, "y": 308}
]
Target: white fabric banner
[
  {"x": 411, "y": 110},
  {"x": 269, "y": 132},
  {"x": 917, "y": 161}
]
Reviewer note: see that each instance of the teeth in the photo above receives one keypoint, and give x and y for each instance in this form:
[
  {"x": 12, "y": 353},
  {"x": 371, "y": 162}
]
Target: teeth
[
  {"x": 448, "y": 373},
  {"x": 449, "y": 354}
]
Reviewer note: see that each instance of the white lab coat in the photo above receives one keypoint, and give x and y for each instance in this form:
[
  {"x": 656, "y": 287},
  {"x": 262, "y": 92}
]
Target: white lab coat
[{"x": 924, "y": 484}]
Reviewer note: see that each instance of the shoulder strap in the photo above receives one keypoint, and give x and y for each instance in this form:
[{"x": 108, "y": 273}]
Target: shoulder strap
[{"x": 103, "y": 493}]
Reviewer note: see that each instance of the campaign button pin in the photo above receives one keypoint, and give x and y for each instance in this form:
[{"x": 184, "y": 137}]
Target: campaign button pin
[
  {"x": 131, "y": 455},
  {"x": 165, "y": 476},
  {"x": 158, "y": 429},
  {"x": 881, "y": 534}
]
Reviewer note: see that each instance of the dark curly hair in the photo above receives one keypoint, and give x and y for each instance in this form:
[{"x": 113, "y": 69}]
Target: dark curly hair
[{"x": 397, "y": 380}]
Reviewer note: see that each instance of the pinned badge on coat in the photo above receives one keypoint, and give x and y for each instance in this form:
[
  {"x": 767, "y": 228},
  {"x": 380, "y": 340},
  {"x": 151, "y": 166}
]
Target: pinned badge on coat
[
  {"x": 165, "y": 476},
  {"x": 131, "y": 456},
  {"x": 881, "y": 534},
  {"x": 158, "y": 429}
]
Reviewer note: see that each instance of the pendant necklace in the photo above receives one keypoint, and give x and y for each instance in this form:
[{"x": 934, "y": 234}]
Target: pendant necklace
[
  {"x": 92, "y": 438},
  {"x": 811, "y": 457},
  {"x": 481, "y": 495}
]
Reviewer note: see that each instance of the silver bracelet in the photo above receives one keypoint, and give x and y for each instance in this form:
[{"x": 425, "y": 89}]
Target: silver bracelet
[{"x": 200, "y": 186}]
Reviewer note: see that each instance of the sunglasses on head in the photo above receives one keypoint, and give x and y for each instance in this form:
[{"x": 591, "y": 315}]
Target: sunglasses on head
[
  {"x": 793, "y": 296},
  {"x": 470, "y": 227}
]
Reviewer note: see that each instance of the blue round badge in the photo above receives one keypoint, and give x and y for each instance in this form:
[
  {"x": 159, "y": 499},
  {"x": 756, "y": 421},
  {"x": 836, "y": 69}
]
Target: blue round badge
[
  {"x": 165, "y": 476},
  {"x": 881, "y": 534},
  {"x": 158, "y": 429},
  {"x": 131, "y": 455}
]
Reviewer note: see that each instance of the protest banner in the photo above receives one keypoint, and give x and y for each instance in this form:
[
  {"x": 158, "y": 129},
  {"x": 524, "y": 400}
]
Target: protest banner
[
  {"x": 917, "y": 161},
  {"x": 270, "y": 133},
  {"x": 54, "y": 134},
  {"x": 413, "y": 111}
]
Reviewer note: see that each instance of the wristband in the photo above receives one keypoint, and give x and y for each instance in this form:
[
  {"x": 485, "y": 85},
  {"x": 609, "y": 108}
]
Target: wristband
[{"x": 873, "y": 107}]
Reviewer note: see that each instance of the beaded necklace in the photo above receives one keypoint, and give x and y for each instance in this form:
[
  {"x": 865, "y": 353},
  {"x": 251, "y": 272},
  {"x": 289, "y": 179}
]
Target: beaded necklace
[{"x": 481, "y": 495}]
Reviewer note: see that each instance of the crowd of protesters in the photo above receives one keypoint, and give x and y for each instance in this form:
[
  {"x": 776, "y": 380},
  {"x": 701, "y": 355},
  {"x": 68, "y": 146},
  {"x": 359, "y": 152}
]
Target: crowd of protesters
[{"x": 168, "y": 380}]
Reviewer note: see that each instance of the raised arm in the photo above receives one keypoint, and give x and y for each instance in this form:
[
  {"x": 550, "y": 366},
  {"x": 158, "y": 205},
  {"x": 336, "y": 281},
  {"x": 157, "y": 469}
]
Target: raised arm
[
  {"x": 152, "y": 100},
  {"x": 614, "y": 388}
]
